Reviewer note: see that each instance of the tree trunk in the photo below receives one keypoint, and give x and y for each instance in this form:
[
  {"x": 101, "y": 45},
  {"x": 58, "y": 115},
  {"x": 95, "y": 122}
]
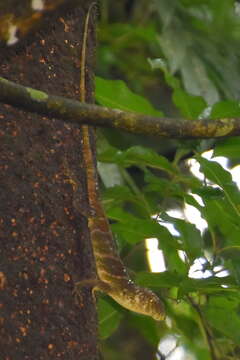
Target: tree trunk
[{"x": 45, "y": 245}]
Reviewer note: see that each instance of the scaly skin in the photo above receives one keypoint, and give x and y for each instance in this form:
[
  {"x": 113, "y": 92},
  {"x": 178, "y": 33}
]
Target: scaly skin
[{"x": 112, "y": 275}]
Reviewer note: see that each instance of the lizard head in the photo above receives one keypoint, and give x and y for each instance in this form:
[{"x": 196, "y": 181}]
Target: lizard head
[
  {"x": 152, "y": 306},
  {"x": 139, "y": 300}
]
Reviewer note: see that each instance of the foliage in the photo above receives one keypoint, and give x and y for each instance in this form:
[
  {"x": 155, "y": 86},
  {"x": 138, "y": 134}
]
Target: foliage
[{"x": 203, "y": 312}]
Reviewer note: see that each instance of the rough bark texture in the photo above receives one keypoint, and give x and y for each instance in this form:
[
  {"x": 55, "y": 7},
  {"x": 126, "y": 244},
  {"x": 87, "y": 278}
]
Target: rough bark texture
[
  {"x": 18, "y": 18},
  {"x": 44, "y": 241}
]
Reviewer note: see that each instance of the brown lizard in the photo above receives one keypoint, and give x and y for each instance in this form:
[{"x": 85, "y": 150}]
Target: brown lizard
[{"x": 112, "y": 276}]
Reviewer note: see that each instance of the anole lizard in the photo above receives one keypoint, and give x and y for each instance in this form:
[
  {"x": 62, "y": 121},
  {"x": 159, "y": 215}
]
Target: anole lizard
[{"x": 112, "y": 276}]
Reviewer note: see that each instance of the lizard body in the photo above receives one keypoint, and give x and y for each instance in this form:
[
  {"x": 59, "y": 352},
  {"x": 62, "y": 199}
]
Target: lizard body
[{"x": 112, "y": 276}]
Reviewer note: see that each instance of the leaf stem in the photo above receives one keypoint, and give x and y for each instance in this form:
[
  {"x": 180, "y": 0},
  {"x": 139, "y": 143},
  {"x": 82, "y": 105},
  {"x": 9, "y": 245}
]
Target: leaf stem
[{"x": 205, "y": 329}]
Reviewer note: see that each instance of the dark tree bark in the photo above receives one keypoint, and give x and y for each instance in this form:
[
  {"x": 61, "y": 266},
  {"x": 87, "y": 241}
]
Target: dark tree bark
[
  {"x": 19, "y": 18},
  {"x": 44, "y": 240}
]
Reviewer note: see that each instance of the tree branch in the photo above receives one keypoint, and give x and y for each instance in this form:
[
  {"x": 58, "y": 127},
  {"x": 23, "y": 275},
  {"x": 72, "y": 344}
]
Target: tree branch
[{"x": 36, "y": 101}]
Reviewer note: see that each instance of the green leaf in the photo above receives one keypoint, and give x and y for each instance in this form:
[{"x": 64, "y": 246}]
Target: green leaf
[
  {"x": 233, "y": 265},
  {"x": 190, "y": 106},
  {"x": 148, "y": 157},
  {"x": 159, "y": 280},
  {"x": 162, "y": 187},
  {"x": 115, "y": 94},
  {"x": 170, "y": 247},
  {"x": 189, "y": 199},
  {"x": 186, "y": 285},
  {"x": 228, "y": 147},
  {"x": 132, "y": 228},
  {"x": 109, "y": 318},
  {"x": 147, "y": 327},
  {"x": 222, "y": 312},
  {"x": 220, "y": 217},
  {"x": 191, "y": 238},
  {"x": 209, "y": 285},
  {"x": 139, "y": 156},
  {"x": 215, "y": 172},
  {"x": 160, "y": 63},
  {"x": 225, "y": 109},
  {"x": 109, "y": 154},
  {"x": 209, "y": 192},
  {"x": 187, "y": 326},
  {"x": 133, "y": 31},
  {"x": 117, "y": 195}
]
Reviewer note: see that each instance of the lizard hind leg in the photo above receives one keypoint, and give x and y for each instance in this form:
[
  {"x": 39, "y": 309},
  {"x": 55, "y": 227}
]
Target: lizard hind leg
[
  {"x": 80, "y": 285},
  {"x": 95, "y": 284}
]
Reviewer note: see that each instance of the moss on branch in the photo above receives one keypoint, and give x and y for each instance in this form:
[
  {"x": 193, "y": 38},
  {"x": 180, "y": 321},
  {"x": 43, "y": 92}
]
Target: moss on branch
[{"x": 39, "y": 102}]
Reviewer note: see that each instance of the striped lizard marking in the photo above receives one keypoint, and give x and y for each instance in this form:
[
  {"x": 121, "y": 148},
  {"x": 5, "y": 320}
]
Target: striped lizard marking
[{"x": 112, "y": 276}]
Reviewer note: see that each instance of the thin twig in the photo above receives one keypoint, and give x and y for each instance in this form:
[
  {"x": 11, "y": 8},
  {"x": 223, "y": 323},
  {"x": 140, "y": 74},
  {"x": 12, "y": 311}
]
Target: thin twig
[{"x": 207, "y": 332}]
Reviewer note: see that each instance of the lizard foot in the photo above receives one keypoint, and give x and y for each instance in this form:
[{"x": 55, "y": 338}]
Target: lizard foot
[{"x": 87, "y": 283}]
